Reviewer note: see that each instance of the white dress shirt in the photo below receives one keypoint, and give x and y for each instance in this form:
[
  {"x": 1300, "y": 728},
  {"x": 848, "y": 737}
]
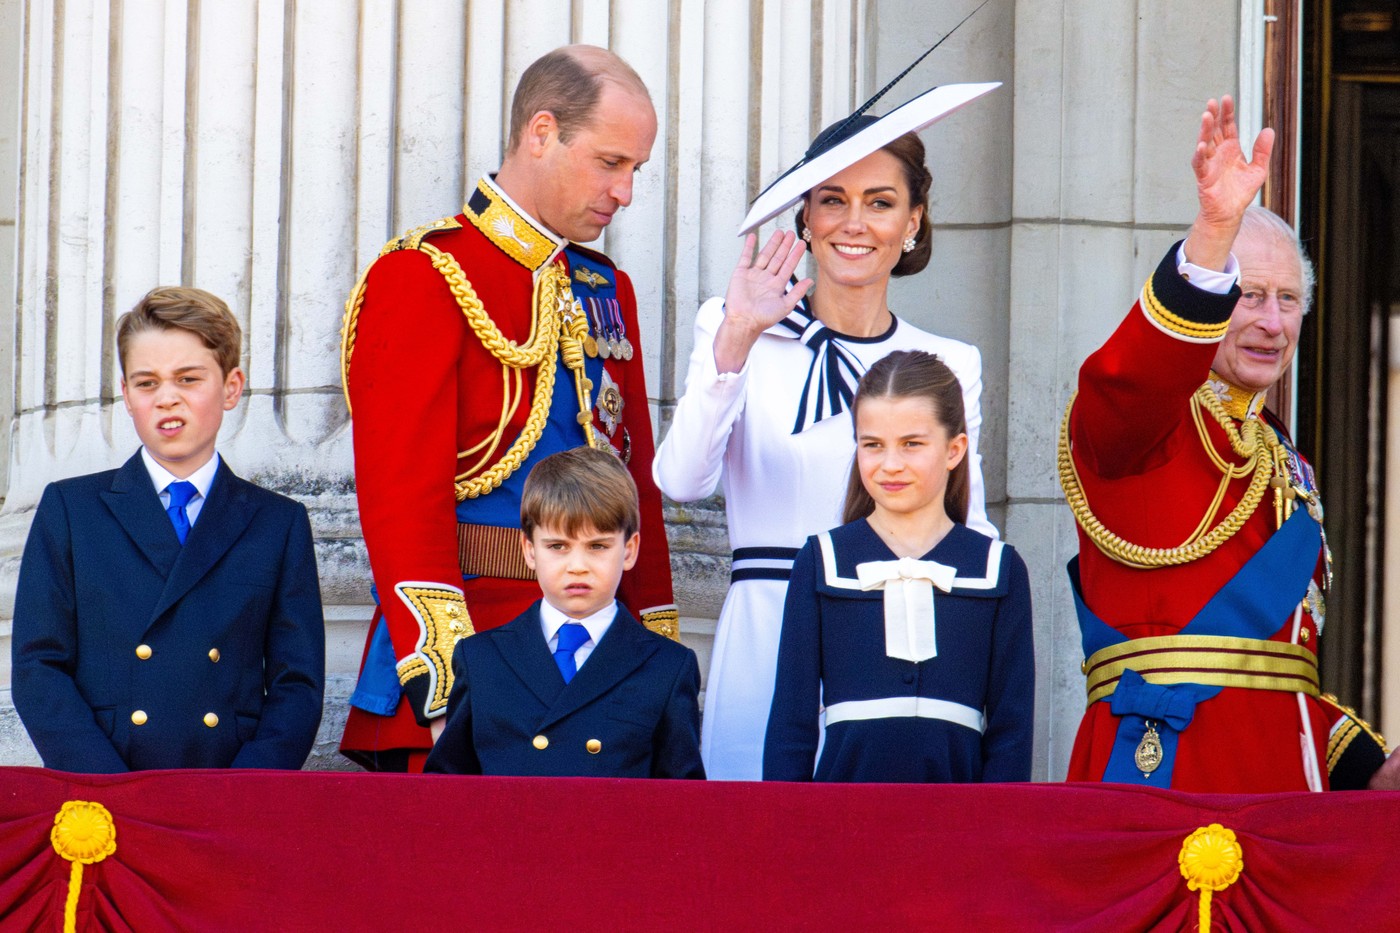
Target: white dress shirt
[
  {"x": 552, "y": 619},
  {"x": 161, "y": 478}
]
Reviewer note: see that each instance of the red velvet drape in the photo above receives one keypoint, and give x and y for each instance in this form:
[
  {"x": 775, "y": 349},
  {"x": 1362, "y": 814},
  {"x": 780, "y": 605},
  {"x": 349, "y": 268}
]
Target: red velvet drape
[{"x": 247, "y": 850}]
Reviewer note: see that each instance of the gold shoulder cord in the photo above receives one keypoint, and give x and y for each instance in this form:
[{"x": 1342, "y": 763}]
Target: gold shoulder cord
[
  {"x": 1263, "y": 455},
  {"x": 555, "y": 328}
]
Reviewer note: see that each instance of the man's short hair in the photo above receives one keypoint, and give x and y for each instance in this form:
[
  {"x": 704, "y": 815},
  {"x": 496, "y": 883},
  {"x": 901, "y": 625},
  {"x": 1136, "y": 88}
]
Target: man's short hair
[
  {"x": 173, "y": 307},
  {"x": 568, "y": 82},
  {"x": 1259, "y": 221},
  {"x": 576, "y": 489}
]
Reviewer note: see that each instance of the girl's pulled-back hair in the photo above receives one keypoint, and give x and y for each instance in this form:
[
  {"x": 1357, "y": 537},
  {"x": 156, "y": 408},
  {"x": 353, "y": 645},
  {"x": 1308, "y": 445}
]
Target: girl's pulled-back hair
[{"x": 913, "y": 374}]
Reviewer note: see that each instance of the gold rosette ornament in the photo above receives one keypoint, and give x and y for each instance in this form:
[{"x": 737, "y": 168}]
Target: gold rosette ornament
[
  {"x": 1211, "y": 860},
  {"x": 84, "y": 834}
]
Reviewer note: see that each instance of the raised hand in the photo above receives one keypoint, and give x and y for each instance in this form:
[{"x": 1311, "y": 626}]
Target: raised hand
[
  {"x": 1226, "y": 182},
  {"x": 758, "y": 296}
]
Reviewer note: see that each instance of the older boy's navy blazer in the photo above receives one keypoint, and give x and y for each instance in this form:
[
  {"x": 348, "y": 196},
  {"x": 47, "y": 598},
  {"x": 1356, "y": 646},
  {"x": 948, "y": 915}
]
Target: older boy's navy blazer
[
  {"x": 630, "y": 711},
  {"x": 131, "y": 651}
]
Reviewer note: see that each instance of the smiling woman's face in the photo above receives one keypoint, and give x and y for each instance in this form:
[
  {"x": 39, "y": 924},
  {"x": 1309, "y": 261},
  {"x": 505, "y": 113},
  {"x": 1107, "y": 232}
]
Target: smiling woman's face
[{"x": 860, "y": 218}]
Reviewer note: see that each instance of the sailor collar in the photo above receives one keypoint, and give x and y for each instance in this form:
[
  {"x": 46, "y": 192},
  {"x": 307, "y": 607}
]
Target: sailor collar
[
  {"x": 513, "y": 231},
  {"x": 1240, "y": 404},
  {"x": 975, "y": 560}
]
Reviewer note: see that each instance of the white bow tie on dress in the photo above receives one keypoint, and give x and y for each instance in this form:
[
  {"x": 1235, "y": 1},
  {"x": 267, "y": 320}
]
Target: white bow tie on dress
[{"x": 908, "y": 586}]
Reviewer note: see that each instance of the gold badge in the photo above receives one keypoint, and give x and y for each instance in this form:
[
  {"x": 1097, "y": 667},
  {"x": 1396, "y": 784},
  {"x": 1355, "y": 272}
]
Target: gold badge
[
  {"x": 589, "y": 277},
  {"x": 1149, "y": 751},
  {"x": 609, "y": 404}
]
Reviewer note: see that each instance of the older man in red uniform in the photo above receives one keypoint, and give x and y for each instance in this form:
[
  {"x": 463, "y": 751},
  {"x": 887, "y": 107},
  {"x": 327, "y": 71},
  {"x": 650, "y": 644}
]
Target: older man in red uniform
[
  {"x": 473, "y": 346},
  {"x": 1202, "y": 561}
]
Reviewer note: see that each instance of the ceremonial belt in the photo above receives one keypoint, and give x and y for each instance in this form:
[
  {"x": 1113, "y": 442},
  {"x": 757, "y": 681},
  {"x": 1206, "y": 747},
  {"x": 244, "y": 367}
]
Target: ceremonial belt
[
  {"x": 762, "y": 563},
  {"x": 905, "y": 707},
  {"x": 1209, "y": 660},
  {"x": 491, "y": 551},
  {"x": 1153, "y": 685}
]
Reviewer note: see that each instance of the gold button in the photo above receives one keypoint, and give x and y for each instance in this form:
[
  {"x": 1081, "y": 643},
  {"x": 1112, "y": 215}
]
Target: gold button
[
  {"x": 594, "y": 746},
  {"x": 143, "y": 651},
  {"x": 139, "y": 717},
  {"x": 214, "y": 655},
  {"x": 457, "y": 626},
  {"x": 211, "y": 720},
  {"x": 1304, "y": 635},
  {"x": 541, "y": 742}
]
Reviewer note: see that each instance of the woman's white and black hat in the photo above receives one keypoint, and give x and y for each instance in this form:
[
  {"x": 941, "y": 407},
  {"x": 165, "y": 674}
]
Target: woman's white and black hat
[{"x": 860, "y": 134}]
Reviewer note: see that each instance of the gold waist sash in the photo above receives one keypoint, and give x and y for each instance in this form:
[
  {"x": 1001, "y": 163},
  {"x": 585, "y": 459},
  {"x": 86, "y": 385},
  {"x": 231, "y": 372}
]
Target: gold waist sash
[{"x": 1210, "y": 660}]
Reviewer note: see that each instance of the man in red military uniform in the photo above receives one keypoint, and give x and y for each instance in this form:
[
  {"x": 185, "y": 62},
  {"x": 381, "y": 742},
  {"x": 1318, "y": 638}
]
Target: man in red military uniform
[
  {"x": 473, "y": 346},
  {"x": 1202, "y": 561}
]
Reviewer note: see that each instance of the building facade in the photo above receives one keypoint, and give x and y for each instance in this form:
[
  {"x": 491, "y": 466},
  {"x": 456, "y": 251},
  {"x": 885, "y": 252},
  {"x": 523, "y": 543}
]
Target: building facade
[{"x": 266, "y": 150}]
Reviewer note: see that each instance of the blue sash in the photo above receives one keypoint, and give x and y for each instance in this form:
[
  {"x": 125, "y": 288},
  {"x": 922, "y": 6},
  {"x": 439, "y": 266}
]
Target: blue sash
[{"x": 1249, "y": 605}]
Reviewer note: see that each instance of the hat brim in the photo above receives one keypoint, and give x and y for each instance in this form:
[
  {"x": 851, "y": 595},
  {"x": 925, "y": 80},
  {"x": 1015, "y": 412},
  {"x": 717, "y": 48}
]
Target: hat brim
[{"x": 921, "y": 112}]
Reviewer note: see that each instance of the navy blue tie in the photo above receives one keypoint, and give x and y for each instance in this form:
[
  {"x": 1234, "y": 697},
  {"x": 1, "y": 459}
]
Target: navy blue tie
[
  {"x": 571, "y": 636},
  {"x": 180, "y": 495}
]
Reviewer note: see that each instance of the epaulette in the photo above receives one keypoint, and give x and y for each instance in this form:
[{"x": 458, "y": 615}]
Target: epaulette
[
  {"x": 1355, "y": 751},
  {"x": 412, "y": 239}
]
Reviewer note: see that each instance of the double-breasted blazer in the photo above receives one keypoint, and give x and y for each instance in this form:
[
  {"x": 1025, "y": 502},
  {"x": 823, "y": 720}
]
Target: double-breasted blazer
[
  {"x": 131, "y": 651},
  {"x": 630, "y": 711}
]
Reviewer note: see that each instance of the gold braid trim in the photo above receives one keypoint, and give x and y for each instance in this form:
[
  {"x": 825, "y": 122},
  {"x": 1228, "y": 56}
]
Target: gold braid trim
[
  {"x": 1258, "y": 450},
  {"x": 544, "y": 342},
  {"x": 557, "y": 326}
]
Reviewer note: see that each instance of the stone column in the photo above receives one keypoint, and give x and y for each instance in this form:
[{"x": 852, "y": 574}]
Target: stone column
[{"x": 1108, "y": 99}]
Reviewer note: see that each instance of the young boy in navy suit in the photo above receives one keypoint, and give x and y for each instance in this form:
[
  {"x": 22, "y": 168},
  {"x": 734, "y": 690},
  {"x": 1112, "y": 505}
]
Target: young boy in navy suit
[
  {"x": 574, "y": 686},
  {"x": 168, "y": 613}
]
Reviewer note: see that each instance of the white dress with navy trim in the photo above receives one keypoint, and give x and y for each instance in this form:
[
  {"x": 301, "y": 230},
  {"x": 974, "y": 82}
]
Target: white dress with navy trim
[
  {"x": 963, "y": 715},
  {"x": 780, "y": 487}
]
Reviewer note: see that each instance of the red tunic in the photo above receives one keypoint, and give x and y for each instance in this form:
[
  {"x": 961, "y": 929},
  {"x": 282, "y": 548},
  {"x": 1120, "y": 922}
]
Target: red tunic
[
  {"x": 425, "y": 391},
  {"x": 1148, "y": 478}
]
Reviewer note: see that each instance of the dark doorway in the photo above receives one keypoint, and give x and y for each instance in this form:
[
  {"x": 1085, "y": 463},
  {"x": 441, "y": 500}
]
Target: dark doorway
[{"x": 1350, "y": 176}]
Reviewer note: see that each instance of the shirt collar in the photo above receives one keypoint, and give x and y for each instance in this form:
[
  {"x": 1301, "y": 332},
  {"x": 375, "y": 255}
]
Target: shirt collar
[
  {"x": 551, "y": 619},
  {"x": 202, "y": 478},
  {"x": 505, "y": 224}
]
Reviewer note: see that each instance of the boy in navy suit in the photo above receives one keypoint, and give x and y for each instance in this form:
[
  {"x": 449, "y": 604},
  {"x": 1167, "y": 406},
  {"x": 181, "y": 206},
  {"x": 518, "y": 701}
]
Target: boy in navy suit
[
  {"x": 574, "y": 686},
  {"x": 168, "y": 613}
]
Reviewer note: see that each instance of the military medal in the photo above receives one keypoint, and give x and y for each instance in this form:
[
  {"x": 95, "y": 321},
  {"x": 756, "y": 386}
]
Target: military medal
[
  {"x": 596, "y": 340},
  {"x": 609, "y": 404},
  {"x": 1149, "y": 751}
]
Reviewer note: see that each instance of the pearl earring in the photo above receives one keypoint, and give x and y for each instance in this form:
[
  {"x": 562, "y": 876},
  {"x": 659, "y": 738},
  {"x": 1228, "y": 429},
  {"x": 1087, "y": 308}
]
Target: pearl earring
[
  {"x": 909, "y": 245},
  {"x": 806, "y": 234}
]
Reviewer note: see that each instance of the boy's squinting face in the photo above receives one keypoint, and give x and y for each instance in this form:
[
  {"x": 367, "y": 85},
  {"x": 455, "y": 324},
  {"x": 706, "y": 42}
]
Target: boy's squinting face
[
  {"x": 579, "y": 573},
  {"x": 176, "y": 395}
]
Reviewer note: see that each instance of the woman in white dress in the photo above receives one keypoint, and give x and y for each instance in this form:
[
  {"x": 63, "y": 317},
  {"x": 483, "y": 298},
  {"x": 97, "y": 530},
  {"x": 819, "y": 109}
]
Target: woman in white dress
[{"x": 766, "y": 407}]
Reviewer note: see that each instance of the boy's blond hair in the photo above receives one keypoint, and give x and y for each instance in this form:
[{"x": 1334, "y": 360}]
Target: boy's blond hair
[
  {"x": 174, "y": 307},
  {"x": 580, "y": 488}
]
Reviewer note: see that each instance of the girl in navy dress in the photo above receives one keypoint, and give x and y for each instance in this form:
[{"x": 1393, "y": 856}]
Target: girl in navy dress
[{"x": 906, "y": 633}]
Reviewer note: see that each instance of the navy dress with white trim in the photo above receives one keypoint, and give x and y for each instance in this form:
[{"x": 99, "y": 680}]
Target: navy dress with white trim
[{"x": 963, "y": 715}]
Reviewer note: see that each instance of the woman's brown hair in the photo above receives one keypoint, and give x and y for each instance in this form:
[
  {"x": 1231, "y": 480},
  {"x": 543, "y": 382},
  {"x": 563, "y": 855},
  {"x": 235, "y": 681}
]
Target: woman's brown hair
[{"x": 913, "y": 374}]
